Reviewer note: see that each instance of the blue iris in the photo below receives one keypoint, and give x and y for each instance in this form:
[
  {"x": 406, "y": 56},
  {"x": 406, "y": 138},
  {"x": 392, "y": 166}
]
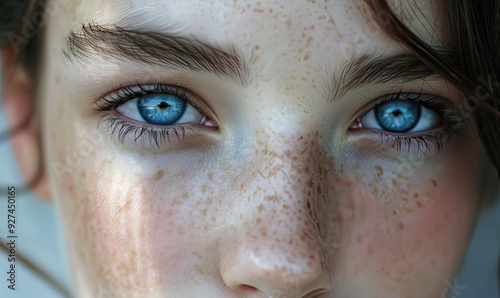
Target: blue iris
[
  {"x": 397, "y": 116},
  {"x": 161, "y": 109}
]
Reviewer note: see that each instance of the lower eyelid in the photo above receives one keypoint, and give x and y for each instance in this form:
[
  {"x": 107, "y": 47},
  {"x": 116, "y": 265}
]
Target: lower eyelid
[
  {"x": 138, "y": 136},
  {"x": 372, "y": 141}
]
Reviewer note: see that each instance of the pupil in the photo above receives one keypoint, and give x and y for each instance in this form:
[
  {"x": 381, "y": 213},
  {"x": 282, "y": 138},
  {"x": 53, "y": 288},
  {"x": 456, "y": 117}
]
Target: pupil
[
  {"x": 397, "y": 113},
  {"x": 161, "y": 109},
  {"x": 163, "y": 105},
  {"x": 398, "y": 116}
]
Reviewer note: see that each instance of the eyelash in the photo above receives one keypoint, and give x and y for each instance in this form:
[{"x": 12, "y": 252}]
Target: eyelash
[
  {"x": 156, "y": 136},
  {"x": 427, "y": 144},
  {"x": 127, "y": 93}
]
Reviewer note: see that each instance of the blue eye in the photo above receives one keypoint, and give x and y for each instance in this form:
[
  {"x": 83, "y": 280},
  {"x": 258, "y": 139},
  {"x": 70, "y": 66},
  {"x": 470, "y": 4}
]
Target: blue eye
[
  {"x": 161, "y": 109},
  {"x": 398, "y": 116},
  {"x": 401, "y": 116}
]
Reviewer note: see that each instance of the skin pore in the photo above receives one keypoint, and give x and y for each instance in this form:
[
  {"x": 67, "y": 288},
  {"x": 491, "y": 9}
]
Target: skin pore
[{"x": 281, "y": 192}]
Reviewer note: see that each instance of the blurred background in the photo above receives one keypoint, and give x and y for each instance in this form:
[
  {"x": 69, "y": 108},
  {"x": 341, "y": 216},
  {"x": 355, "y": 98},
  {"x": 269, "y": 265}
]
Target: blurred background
[{"x": 39, "y": 240}]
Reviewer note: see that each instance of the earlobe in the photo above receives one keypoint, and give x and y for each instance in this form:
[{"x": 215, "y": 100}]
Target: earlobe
[{"x": 18, "y": 101}]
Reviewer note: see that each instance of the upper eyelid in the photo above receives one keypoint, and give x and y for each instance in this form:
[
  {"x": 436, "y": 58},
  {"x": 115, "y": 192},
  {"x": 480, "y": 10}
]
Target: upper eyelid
[
  {"x": 124, "y": 94},
  {"x": 433, "y": 102},
  {"x": 442, "y": 106}
]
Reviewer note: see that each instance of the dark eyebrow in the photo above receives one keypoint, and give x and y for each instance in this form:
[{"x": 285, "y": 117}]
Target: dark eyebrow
[
  {"x": 181, "y": 52},
  {"x": 154, "y": 48},
  {"x": 372, "y": 70}
]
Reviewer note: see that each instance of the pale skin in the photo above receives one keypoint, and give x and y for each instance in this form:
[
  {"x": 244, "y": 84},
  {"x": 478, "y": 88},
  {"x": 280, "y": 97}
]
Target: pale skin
[{"x": 278, "y": 195}]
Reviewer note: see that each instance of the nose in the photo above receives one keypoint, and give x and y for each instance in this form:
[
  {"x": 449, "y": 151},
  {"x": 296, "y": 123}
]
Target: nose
[
  {"x": 272, "y": 274},
  {"x": 278, "y": 249}
]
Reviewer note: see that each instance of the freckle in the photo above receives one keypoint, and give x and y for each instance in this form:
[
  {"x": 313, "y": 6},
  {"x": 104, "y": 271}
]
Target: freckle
[
  {"x": 211, "y": 175},
  {"x": 126, "y": 206},
  {"x": 185, "y": 195},
  {"x": 332, "y": 21},
  {"x": 370, "y": 251},
  {"x": 401, "y": 226},
  {"x": 158, "y": 175},
  {"x": 261, "y": 208},
  {"x": 204, "y": 212},
  {"x": 394, "y": 212},
  {"x": 419, "y": 204},
  {"x": 434, "y": 183}
]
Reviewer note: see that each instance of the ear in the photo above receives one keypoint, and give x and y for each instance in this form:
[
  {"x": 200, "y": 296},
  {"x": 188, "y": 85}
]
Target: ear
[{"x": 18, "y": 100}]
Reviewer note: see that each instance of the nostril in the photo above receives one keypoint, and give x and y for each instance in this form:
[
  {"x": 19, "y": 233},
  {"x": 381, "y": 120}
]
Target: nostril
[
  {"x": 315, "y": 293},
  {"x": 247, "y": 289}
]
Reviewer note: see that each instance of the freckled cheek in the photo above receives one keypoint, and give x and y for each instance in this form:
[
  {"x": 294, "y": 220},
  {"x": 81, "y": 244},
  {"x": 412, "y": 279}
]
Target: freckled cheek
[
  {"x": 124, "y": 218},
  {"x": 445, "y": 220},
  {"x": 428, "y": 241},
  {"x": 400, "y": 238}
]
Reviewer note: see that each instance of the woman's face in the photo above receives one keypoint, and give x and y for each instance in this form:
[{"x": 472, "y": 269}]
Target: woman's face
[{"x": 254, "y": 149}]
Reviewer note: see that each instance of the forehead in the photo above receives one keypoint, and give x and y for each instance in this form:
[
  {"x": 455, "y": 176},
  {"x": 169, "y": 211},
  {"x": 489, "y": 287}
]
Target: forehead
[
  {"x": 275, "y": 25},
  {"x": 294, "y": 46}
]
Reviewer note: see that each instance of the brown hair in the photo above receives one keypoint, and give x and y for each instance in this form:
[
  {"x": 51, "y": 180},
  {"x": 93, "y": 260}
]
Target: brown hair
[{"x": 474, "y": 63}]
